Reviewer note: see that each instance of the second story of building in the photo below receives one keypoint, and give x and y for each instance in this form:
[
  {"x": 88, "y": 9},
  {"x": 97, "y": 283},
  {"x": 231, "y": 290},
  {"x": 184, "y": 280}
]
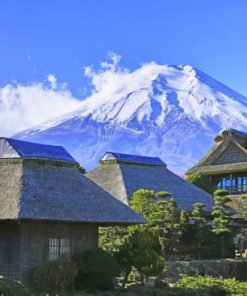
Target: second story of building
[{"x": 226, "y": 162}]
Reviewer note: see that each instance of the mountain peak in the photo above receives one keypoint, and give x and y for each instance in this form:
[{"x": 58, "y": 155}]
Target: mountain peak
[{"x": 171, "y": 111}]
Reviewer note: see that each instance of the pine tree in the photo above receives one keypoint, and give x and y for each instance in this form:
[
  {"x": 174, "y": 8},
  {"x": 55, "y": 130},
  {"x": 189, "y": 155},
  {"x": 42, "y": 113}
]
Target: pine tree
[
  {"x": 221, "y": 217},
  {"x": 201, "y": 181},
  {"x": 244, "y": 211},
  {"x": 163, "y": 215},
  {"x": 144, "y": 247},
  {"x": 198, "y": 216}
]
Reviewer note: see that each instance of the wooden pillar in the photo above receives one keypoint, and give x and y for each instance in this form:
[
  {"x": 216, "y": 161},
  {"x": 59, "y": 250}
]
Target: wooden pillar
[{"x": 230, "y": 183}]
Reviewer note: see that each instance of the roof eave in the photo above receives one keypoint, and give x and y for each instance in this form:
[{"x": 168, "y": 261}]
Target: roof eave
[
  {"x": 219, "y": 169},
  {"x": 98, "y": 222},
  {"x": 53, "y": 160}
]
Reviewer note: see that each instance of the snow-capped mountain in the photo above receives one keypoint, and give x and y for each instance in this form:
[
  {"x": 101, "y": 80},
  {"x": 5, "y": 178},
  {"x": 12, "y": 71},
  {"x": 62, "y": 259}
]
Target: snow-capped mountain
[{"x": 173, "y": 112}]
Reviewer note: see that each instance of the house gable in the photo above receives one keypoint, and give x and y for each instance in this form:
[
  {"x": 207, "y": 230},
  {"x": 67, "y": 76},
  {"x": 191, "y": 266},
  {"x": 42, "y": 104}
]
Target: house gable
[
  {"x": 232, "y": 154},
  {"x": 229, "y": 153},
  {"x": 12, "y": 148},
  {"x": 6, "y": 150}
]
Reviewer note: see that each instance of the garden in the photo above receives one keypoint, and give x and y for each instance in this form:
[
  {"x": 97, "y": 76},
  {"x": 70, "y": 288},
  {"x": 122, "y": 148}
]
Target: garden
[{"x": 136, "y": 260}]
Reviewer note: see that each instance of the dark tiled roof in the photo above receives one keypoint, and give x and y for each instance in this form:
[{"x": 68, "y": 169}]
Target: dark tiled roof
[
  {"x": 121, "y": 157},
  {"x": 12, "y": 148}
]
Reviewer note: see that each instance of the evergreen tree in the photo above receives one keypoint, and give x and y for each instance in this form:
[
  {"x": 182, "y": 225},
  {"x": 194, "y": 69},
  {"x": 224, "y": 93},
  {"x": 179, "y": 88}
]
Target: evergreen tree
[
  {"x": 110, "y": 238},
  {"x": 221, "y": 217},
  {"x": 82, "y": 170},
  {"x": 201, "y": 181},
  {"x": 144, "y": 247},
  {"x": 241, "y": 236},
  {"x": 198, "y": 216},
  {"x": 141, "y": 250},
  {"x": 244, "y": 211},
  {"x": 161, "y": 212}
]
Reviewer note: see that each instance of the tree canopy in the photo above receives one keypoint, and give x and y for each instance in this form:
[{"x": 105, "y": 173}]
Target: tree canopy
[{"x": 201, "y": 181}]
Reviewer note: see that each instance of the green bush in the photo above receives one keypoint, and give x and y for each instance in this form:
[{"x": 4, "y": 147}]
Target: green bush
[
  {"x": 12, "y": 288},
  {"x": 201, "y": 181},
  {"x": 215, "y": 286},
  {"x": 172, "y": 291},
  {"x": 55, "y": 277},
  {"x": 221, "y": 192},
  {"x": 97, "y": 269}
]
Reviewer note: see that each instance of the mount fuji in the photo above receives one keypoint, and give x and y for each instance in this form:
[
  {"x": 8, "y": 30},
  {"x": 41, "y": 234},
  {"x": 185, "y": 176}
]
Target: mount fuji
[{"x": 173, "y": 112}]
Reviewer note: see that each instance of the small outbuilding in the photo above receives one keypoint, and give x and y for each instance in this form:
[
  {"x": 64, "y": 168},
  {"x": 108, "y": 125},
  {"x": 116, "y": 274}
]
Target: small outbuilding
[
  {"x": 48, "y": 209},
  {"x": 122, "y": 174}
]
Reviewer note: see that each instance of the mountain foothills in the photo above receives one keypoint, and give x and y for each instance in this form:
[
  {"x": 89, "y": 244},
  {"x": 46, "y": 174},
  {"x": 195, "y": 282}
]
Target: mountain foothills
[{"x": 173, "y": 112}]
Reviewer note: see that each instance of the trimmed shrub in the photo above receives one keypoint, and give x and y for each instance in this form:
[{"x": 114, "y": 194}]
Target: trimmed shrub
[
  {"x": 12, "y": 288},
  {"x": 221, "y": 192},
  {"x": 97, "y": 269},
  {"x": 55, "y": 277},
  {"x": 171, "y": 291},
  {"x": 214, "y": 286},
  {"x": 201, "y": 181}
]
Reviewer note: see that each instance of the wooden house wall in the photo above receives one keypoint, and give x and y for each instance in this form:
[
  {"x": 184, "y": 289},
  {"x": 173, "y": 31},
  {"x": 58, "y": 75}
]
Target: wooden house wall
[
  {"x": 10, "y": 249},
  {"x": 26, "y": 245},
  {"x": 35, "y": 238}
]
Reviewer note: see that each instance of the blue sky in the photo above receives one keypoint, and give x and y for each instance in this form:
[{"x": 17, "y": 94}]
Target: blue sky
[{"x": 62, "y": 36}]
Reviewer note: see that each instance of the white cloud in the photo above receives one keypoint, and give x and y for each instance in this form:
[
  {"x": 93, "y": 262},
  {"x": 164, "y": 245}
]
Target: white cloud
[
  {"x": 24, "y": 106},
  {"x": 53, "y": 81},
  {"x": 112, "y": 79}
]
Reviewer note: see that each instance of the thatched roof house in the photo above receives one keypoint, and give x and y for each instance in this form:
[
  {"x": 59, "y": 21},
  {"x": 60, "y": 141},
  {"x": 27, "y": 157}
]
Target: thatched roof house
[
  {"x": 226, "y": 162},
  {"x": 48, "y": 209},
  {"x": 226, "y": 165},
  {"x": 228, "y": 155},
  {"x": 122, "y": 174}
]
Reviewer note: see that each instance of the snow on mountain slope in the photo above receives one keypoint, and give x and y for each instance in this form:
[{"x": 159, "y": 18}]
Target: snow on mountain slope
[{"x": 173, "y": 112}]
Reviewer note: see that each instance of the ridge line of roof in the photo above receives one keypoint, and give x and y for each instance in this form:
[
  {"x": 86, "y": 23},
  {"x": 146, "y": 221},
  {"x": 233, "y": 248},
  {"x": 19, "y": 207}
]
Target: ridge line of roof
[
  {"x": 32, "y": 150},
  {"x": 7, "y": 139},
  {"x": 132, "y": 158},
  {"x": 28, "y": 142}
]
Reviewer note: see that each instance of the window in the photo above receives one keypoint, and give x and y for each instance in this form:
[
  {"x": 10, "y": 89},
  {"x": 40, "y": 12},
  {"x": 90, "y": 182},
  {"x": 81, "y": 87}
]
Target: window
[
  {"x": 240, "y": 184},
  {"x": 219, "y": 185},
  {"x": 233, "y": 183},
  {"x": 59, "y": 248},
  {"x": 244, "y": 184}
]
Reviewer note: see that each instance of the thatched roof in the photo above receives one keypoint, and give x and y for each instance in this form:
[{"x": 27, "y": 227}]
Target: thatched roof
[
  {"x": 229, "y": 154},
  {"x": 12, "y": 148},
  {"x": 121, "y": 157},
  {"x": 122, "y": 177},
  {"x": 54, "y": 189}
]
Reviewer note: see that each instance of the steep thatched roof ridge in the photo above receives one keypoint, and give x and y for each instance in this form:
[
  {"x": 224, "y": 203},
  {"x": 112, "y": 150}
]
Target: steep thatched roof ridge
[
  {"x": 232, "y": 132},
  {"x": 230, "y": 143},
  {"x": 123, "y": 179},
  {"x": 49, "y": 190},
  {"x": 12, "y": 148},
  {"x": 130, "y": 158},
  {"x": 110, "y": 178}
]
